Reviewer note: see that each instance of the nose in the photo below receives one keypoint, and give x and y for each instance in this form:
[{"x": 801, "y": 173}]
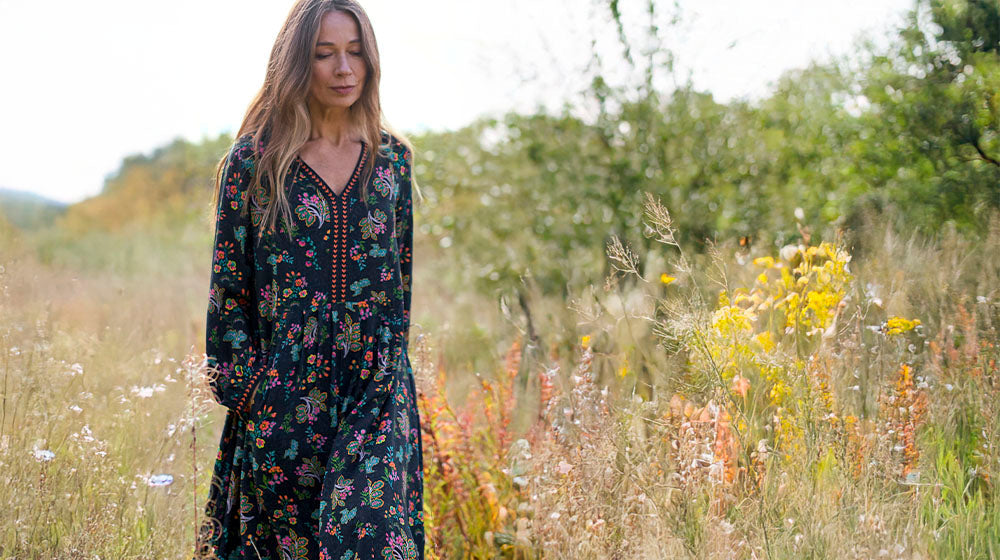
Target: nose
[{"x": 343, "y": 68}]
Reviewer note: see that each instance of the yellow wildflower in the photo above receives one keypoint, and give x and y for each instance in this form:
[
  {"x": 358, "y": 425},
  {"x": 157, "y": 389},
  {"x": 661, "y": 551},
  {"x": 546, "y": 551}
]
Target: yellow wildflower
[
  {"x": 899, "y": 325},
  {"x": 622, "y": 371},
  {"x": 766, "y": 262}
]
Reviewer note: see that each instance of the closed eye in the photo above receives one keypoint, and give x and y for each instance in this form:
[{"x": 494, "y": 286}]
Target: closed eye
[{"x": 322, "y": 56}]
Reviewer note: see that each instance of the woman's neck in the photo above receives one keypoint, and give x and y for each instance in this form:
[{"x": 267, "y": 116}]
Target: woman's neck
[{"x": 333, "y": 125}]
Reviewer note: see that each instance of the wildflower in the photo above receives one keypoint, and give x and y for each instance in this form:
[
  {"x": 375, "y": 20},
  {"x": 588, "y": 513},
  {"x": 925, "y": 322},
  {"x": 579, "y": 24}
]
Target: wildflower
[
  {"x": 146, "y": 392},
  {"x": 44, "y": 455},
  {"x": 788, "y": 252},
  {"x": 161, "y": 480},
  {"x": 585, "y": 341},
  {"x": 766, "y": 262},
  {"x": 741, "y": 385},
  {"x": 666, "y": 279},
  {"x": 564, "y": 467},
  {"x": 899, "y": 325}
]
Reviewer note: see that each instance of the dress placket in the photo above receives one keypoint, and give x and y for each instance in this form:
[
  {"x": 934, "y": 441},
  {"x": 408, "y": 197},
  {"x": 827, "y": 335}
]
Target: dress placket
[{"x": 339, "y": 207}]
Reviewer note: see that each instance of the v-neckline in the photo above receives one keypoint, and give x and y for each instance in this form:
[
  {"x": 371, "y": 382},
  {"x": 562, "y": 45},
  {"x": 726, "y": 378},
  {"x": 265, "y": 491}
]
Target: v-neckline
[{"x": 350, "y": 182}]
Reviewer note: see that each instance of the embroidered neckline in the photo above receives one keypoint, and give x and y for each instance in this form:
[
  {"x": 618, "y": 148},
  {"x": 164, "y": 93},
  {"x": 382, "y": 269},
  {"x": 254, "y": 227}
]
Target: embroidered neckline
[{"x": 335, "y": 197}]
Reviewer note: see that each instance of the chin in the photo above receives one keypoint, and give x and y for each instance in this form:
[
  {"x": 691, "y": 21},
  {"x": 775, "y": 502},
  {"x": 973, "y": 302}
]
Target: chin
[{"x": 341, "y": 102}]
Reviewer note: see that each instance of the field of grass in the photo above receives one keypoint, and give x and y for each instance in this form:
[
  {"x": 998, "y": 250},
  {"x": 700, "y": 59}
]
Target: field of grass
[{"x": 753, "y": 403}]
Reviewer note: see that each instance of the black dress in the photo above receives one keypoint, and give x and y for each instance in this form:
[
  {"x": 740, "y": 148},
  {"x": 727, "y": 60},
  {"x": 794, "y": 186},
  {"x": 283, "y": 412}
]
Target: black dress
[{"x": 324, "y": 461}]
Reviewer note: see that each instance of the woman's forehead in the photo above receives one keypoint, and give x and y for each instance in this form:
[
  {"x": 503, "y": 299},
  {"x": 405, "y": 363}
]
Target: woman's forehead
[{"x": 338, "y": 28}]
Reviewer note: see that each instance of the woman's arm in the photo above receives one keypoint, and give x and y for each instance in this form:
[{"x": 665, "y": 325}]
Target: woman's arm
[
  {"x": 404, "y": 234},
  {"x": 231, "y": 327}
]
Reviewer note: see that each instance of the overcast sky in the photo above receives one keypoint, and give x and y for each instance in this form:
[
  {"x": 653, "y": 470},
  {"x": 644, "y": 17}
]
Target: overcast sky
[{"x": 88, "y": 83}]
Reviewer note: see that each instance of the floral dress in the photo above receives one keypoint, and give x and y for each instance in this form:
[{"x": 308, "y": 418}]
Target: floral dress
[{"x": 306, "y": 336}]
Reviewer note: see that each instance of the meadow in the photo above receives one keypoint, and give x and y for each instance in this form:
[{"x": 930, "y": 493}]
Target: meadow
[
  {"x": 798, "y": 403},
  {"x": 749, "y": 330}
]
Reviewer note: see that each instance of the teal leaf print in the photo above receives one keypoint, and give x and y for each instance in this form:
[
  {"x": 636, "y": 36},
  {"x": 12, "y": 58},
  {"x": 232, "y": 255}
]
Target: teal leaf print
[
  {"x": 310, "y": 406},
  {"x": 294, "y": 547},
  {"x": 350, "y": 338},
  {"x": 235, "y": 337},
  {"x": 309, "y": 472},
  {"x": 293, "y": 449},
  {"x": 241, "y": 235},
  {"x": 312, "y": 210},
  {"x": 342, "y": 490},
  {"x": 372, "y": 495},
  {"x": 385, "y": 181},
  {"x": 373, "y": 224},
  {"x": 356, "y": 287},
  {"x": 310, "y": 331},
  {"x": 348, "y": 514}
]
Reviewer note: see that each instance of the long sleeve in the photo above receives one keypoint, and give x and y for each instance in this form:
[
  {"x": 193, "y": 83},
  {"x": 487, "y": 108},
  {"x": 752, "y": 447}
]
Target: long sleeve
[
  {"x": 231, "y": 343},
  {"x": 404, "y": 232}
]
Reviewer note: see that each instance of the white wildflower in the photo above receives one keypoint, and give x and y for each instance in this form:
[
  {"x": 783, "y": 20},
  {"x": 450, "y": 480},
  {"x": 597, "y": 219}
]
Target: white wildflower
[
  {"x": 44, "y": 454},
  {"x": 161, "y": 480}
]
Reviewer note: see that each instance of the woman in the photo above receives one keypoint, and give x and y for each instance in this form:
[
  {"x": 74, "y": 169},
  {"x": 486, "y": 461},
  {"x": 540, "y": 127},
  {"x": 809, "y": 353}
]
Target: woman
[{"x": 306, "y": 335}]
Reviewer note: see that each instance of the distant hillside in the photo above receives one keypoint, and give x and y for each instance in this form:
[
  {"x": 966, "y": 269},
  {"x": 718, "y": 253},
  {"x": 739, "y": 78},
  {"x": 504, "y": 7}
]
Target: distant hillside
[
  {"x": 171, "y": 185},
  {"x": 26, "y": 210}
]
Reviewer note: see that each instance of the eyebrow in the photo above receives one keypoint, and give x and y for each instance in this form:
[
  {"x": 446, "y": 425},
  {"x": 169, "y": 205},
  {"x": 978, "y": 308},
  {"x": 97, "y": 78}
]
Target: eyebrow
[{"x": 329, "y": 44}]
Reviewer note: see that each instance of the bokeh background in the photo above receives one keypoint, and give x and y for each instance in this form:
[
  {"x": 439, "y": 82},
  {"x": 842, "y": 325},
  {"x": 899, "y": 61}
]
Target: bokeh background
[{"x": 692, "y": 279}]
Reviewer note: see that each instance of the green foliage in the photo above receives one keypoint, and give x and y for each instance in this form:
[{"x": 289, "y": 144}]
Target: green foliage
[
  {"x": 931, "y": 141},
  {"x": 912, "y": 136}
]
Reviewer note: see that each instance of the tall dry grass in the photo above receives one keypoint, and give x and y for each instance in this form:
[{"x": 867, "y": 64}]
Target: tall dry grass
[{"x": 788, "y": 403}]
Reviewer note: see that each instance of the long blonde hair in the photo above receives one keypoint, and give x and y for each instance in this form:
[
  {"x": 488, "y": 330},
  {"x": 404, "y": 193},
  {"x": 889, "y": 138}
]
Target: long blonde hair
[{"x": 279, "y": 111}]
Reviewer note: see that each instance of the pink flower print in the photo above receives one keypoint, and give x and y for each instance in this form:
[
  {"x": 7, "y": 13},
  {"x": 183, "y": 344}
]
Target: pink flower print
[
  {"x": 294, "y": 547},
  {"x": 399, "y": 548},
  {"x": 372, "y": 495},
  {"x": 385, "y": 181},
  {"x": 309, "y": 334},
  {"x": 312, "y": 210},
  {"x": 373, "y": 224},
  {"x": 342, "y": 490},
  {"x": 317, "y": 440},
  {"x": 308, "y": 472},
  {"x": 356, "y": 447},
  {"x": 364, "y": 311}
]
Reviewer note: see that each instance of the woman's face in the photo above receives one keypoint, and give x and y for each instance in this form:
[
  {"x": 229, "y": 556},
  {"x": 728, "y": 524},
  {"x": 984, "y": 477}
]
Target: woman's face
[{"x": 338, "y": 69}]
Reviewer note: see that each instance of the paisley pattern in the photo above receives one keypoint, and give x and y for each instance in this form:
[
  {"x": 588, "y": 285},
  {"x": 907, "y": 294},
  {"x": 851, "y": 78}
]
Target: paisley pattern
[{"x": 306, "y": 336}]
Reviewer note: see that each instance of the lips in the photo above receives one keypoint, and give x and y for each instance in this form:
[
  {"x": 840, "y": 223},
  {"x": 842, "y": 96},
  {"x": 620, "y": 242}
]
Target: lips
[{"x": 343, "y": 89}]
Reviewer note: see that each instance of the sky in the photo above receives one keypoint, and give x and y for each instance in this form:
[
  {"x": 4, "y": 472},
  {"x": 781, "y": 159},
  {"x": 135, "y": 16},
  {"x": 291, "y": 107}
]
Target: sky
[{"x": 86, "y": 84}]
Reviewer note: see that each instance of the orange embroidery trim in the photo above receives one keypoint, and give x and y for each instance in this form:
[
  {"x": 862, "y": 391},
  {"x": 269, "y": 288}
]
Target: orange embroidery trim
[
  {"x": 338, "y": 270},
  {"x": 240, "y": 404}
]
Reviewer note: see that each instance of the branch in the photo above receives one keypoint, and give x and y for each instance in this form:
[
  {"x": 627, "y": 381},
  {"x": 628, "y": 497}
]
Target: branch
[{"x": 982, "y": 154}]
